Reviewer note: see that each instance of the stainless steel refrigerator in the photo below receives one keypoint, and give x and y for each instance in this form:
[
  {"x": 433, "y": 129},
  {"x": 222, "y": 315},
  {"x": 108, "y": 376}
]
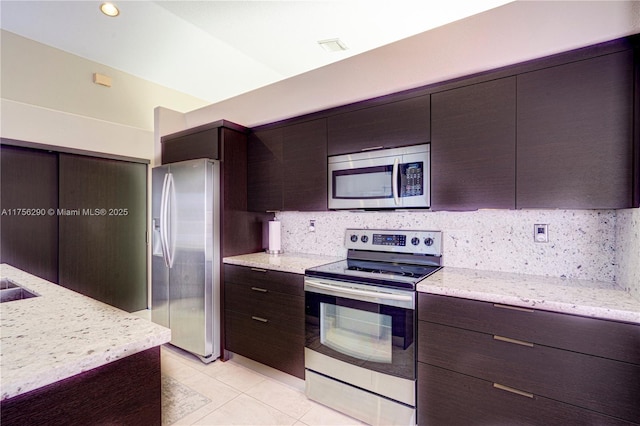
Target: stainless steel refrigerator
[{"x": 186, "y": 254}]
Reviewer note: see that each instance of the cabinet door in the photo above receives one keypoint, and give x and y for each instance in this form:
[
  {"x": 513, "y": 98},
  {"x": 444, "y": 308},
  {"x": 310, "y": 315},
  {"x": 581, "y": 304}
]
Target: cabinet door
[
  {"x": 103, "y": 252},
  {"x": 305, "y": 166},
  {"x": 473, "y": 147},
  {"x": 29, "y": 181},
  {"x": 191, "y": 146},
  {"x": 575, "y": 127},
  {"x": 264, "y": 163},
  {"x": 393, "y": 124}
]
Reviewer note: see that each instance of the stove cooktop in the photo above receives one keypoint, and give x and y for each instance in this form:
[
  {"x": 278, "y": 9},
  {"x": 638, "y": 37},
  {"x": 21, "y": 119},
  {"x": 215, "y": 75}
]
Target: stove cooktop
[
  {"x": 394, "y": 258},
  {"x": 378, "y": 273}
]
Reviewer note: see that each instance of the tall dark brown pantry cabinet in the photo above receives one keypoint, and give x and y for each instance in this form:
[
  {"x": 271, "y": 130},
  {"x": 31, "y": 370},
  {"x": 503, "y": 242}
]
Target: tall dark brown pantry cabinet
[
  {"x": 103, "y": 250},
  {"x": 28, "y": 189},
  {"x": 76, "y": 219}
]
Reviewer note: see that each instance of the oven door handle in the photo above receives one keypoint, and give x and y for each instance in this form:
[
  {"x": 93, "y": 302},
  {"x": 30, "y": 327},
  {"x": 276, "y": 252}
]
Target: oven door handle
[{"x": 357, "y": 292}]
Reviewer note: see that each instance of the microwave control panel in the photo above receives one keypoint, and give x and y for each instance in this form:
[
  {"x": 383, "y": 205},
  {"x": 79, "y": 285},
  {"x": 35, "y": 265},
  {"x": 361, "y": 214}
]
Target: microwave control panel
[{"x": 411, "y": 179}]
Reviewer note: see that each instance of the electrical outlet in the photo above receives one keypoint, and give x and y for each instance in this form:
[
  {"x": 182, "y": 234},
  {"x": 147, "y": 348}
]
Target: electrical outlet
[
  {"x": 312, "y": 225},
  {"x": 541, "y": 233}
]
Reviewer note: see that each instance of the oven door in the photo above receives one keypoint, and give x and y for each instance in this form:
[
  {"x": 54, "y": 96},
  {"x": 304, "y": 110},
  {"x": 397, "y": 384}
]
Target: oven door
[{"x": 362, "y": 325}]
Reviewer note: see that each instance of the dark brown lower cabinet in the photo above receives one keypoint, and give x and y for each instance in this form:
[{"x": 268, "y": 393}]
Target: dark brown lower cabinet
[
  {"x": 476, "y": 367},
  {"x": 124, "y": 392},
  {"x": 264, "y": 317},
  {"x": 447, "y": 398},
  {"x": 28, "y": 196},
  {"x": 102, "y": 236}
]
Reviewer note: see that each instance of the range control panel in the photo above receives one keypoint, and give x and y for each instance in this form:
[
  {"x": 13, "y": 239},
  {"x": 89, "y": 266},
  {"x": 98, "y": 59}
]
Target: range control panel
[{"x": 399, "y": 241}]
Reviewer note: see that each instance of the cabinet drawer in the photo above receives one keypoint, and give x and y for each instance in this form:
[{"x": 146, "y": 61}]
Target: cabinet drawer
[
  {"x": 265, "y": 279},
  {"x": 264, "y": 343},
  {"x": 281, "y": 310},
  {"x": 600, "y": 384},
  {"x": 449, "y": 398},
  {"x": 609, "y": 339}
]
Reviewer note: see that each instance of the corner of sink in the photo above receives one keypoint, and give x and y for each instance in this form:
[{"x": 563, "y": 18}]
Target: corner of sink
[{"x": 11, "y": 291}]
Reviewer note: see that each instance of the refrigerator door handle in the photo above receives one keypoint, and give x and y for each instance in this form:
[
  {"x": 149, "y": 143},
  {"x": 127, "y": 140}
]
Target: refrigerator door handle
[
  {"x": 170, "y": 241},
  {"x": 164, "y": 219}
]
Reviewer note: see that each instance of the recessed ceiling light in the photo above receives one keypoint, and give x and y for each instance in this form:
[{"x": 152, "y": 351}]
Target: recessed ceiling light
[
  {"x": 109, "y": 9},
  {"x": 332, "y": 45}
]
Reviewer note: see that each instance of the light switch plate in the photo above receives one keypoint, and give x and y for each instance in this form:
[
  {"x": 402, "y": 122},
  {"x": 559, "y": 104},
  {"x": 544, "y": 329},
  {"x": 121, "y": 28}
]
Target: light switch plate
[{"x": 541, "y": 233}]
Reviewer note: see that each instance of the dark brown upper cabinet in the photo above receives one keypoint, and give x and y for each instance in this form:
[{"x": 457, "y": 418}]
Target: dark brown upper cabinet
[
  {"x": 575, "y": 142},
  {"x": 29, "y": 228},
  {"x": 264, "y": 170},
  {"x": 191, "y": 144},
  {"x": 287, "y": 168},
  {"x": 305, "y": 166},
  {"x": 198, "y": 142},
  {"x": 401, "y": 123},
  {"x": 473, "y": 146}
]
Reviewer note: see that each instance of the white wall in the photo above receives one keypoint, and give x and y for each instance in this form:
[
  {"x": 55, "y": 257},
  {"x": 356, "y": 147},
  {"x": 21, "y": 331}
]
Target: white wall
[
  {"x": 48, "y": 97},
  {"x": 509, "y": 34}
]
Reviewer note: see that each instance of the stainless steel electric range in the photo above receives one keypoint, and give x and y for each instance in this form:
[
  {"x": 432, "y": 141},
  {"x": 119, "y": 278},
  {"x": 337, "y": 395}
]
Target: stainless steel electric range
[{"x": 360, "y": 323}]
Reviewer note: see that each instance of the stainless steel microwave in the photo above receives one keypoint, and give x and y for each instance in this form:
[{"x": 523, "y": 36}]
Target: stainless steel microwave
[{"x": 394, "y": 178}]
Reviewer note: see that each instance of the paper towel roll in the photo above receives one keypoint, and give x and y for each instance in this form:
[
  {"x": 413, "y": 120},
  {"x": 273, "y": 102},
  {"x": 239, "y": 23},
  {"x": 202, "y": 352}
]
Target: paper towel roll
[{"x": 274, "y": 237}]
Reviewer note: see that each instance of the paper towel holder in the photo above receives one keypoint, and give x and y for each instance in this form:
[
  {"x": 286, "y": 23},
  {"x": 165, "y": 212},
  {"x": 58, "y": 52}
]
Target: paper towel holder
[{"x": 275, "y": 242}]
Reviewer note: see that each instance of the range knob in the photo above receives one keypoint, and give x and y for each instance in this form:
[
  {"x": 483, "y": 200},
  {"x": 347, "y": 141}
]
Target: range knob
[
  {"x": 428, "y": 241},
  {"x": 364, "y": 238},
  {"x": 354, "y": 238},
  {"x": 415, "y": 241}
]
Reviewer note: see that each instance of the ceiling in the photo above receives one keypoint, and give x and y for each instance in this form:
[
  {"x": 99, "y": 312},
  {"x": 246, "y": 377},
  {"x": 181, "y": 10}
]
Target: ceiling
[{"x": 215, "y": 50}]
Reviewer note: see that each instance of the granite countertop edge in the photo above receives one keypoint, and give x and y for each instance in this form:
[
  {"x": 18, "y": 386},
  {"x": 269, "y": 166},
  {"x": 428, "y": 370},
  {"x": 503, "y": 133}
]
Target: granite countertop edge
[
  {"x": 286, "y": 262},
  {"x": 595, "y": 299},
  {"x": 63, "y": 333}
]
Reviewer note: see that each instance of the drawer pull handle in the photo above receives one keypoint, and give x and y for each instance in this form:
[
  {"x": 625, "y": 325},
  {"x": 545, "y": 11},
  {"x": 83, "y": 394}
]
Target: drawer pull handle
[
  {"x": 512, "y": 390},
  {"x": 515, "y": 341},
  {"x": 258, "y": 270},
  {"x": 261, "y": 290},
  {"x": 513, "y": 308},
  {"x": 260, "y": 319}
]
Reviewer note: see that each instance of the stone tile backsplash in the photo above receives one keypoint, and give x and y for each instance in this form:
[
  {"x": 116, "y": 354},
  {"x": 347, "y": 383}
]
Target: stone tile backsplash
[
  {"x": 598, "y": 245},
  {"x": 628, "y": 250}
]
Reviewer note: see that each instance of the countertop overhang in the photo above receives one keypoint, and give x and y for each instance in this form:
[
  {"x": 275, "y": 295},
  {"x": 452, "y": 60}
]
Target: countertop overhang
[{"x": 63, "y": 333}]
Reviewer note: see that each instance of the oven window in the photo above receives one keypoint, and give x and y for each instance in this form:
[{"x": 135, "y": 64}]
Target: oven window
[
  {"x": 361, "y": 334},
  {"x": 369, "y": 182}
]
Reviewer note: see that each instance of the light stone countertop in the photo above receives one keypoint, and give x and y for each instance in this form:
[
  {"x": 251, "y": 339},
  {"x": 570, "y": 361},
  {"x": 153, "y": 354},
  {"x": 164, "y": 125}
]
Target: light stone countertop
[
  {"x": 578, "y": 297},
  {"x": 571, "y": 296},
  {"x": 62, "y": 333},
  {"x": 285, "y": 262}
]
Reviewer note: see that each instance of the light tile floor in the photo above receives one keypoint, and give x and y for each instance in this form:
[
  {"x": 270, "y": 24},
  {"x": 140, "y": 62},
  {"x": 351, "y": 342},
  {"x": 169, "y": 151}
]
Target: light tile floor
[{"x": 245, "y": 393}]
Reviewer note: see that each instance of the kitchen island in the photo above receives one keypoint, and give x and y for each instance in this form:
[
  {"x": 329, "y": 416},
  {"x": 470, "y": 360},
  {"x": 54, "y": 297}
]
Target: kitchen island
[{"x": 66, "y": 355}]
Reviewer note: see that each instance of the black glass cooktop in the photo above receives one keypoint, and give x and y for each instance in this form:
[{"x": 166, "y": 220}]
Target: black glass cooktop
[{"x": 376, "y": 273}]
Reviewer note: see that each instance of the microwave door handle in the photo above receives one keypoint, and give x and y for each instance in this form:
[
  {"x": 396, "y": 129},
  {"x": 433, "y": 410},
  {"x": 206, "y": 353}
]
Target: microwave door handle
[{"x": 395, "y": 183}]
